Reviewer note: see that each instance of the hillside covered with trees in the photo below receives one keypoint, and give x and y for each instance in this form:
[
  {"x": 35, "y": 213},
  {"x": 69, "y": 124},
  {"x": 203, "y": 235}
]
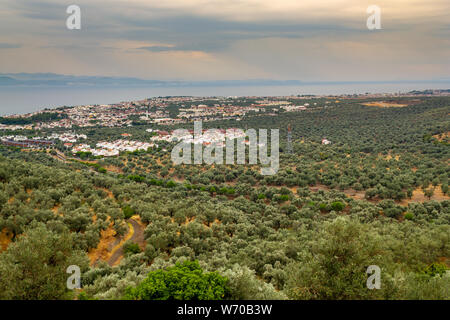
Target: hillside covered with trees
[{"x": 377, "y": 195}]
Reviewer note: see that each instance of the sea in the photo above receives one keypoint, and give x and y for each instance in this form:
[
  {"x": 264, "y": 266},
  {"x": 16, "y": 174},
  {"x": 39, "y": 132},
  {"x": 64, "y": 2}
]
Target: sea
[{"x": 21, "y": 100}]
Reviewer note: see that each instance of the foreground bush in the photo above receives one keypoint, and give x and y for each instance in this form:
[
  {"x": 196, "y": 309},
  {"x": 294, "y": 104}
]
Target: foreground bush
[
  {"x": 34, "y": 266},
  {"x": 185, "y": 281}
]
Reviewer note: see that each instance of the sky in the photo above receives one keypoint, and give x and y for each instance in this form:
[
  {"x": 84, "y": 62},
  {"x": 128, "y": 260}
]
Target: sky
[{"x": 307, "y": 40}]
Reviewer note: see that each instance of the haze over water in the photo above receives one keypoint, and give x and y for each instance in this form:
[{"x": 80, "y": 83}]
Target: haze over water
[{"x": 19, "y": 100}]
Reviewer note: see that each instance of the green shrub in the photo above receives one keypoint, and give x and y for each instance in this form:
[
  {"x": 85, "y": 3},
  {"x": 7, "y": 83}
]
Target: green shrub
[
  {"x": 84, "y": 296},
  {"x": 394, "y": 212},
  {"x": 130, "y": 247},
  {"x": 136, "y": 178},
  {"x": 128, "y": 212},
  {"x": 171, "y": 184},
  {"x": 223, "y": 190},
  {"x": 231, "y": 191},
  {"x": 435, "y": 268},
  {"x": 337, "y": 206},
  {"x": 409, "y": 216},
  {"x": 282, "y": 197},
  {"x": 185, "y": 281}
]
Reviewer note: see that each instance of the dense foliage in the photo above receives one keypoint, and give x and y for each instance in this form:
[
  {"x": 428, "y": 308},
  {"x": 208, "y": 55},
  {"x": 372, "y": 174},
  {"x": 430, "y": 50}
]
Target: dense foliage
[
  {"x": 185, "y": 281},
  {"x": 378, "y": 195},
  {"x": 40, "y": 117},
  {"x": 34, "y": 267}
]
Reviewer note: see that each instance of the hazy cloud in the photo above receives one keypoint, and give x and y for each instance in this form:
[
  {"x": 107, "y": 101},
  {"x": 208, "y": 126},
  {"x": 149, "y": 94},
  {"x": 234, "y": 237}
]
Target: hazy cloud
[
  {"x": 9, "y": 46},
  {"x": 228, "y": 39}
]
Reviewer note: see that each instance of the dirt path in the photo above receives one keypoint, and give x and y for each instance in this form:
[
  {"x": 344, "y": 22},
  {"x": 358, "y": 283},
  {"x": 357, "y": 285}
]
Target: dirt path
[{"x": 135, "y": 234}]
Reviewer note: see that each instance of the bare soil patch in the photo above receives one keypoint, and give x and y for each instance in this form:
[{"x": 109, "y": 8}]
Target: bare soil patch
[
  {"x": 107, "y": 240},
  {"x": 445, "y": 136},
  {"x": 419, "y": 196},
  {"x": 5, "y": 239},
  {"x": 383, "y": 104}
]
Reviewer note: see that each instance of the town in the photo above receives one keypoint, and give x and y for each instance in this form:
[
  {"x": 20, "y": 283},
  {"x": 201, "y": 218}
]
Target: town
[
  {"x": 65, "y": 123},
  {"x": 66, "y": 128}
]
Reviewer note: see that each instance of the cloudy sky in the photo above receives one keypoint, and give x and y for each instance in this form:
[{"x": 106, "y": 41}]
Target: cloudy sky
[{"x": 310, "y": 40}]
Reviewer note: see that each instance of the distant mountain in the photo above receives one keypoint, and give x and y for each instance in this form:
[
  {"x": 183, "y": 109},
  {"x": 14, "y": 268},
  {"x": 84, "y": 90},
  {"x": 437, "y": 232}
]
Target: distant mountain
[
  {"x": 429, "y": 91},
  {"x": 59, "y": 80},
  {"x": 7, "y": 81},
  {"x": 51, "y": 79}
]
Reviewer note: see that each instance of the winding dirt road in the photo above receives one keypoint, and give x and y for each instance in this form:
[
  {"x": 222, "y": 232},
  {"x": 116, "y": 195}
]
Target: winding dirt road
[{"x": 135, "y": 234}]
